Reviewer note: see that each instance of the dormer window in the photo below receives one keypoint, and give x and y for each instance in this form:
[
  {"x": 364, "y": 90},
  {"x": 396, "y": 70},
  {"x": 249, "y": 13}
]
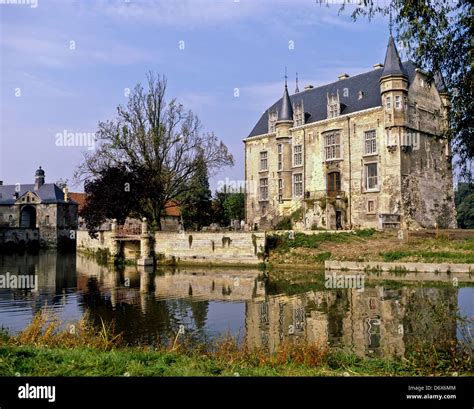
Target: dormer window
[
  {"x": 299, "y": 114},
  {"x": 360, "y": 95},
  {"x": 333, "y": 106},
  {"x": 272, "y": 118}
]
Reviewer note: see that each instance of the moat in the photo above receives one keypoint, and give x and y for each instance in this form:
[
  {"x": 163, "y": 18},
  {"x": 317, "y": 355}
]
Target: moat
[{"x": 259, "y": 308}]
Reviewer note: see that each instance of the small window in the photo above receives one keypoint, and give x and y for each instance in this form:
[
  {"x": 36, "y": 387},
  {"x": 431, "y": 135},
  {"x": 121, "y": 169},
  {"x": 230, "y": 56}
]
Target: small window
[
  {"x": 370, "y": 206},
  {"x": 388, "y": 102},
  {"x": 46, "y": 220},
  {"x": 370, "y": 143},
  {"x": 405, "y": 103},
  {"x": 371, "y": 176},
  {"x": 263, "y": 160},
  {"x": 264, "y": 189},
  {"x": 297, "y": 155},
  {"x": 360, "y": 95},
  {"x": 398, "y": 102},
  {"x": 280, "y": 156},
  {"x": 298, "y": 184},
  {"x": 280, "y": 190}
]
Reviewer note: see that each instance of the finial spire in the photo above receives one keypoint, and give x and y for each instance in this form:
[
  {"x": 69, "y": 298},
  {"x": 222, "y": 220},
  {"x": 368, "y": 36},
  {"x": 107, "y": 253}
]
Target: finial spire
[
  {"x": 390, "y": 23},
  {"x": 297, "y": 89},
  {"x": 286, "y": 77}
]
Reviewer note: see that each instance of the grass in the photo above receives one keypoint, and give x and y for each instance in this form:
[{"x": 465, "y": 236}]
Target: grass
[
  {"x": 44, "y": 350},
  {"x": 429, "y": 256},
  {"x": 282, "y": 242}
]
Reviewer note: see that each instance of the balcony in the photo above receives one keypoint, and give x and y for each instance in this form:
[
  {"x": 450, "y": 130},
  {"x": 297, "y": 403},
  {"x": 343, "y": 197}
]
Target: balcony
[{"x": 322, "y": 194}]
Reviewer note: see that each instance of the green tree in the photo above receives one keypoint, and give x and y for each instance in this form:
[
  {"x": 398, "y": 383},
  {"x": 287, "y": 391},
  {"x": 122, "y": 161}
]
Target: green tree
[
  {"x": 162, "y": 140},
  {"x": 113, "y": 194},
  {"x": 464, "y": 200},
  {"x": 196, "y": 202},
  {"x": 437, "y": 36},
  {"x": 234, "y": 206}
]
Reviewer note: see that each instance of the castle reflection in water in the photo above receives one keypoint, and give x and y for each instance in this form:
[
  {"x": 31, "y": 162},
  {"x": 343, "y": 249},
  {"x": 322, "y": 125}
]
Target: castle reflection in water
[{"x": 382, "y": 320}]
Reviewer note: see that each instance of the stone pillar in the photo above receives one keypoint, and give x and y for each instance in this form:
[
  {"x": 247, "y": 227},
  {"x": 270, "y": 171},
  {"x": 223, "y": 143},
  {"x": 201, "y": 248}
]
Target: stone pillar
[{"x": 145, "y": 246}]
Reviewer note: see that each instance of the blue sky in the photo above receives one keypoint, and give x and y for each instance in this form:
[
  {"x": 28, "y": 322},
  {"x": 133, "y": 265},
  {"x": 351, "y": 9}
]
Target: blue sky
[{"x": 65, "y": 65}]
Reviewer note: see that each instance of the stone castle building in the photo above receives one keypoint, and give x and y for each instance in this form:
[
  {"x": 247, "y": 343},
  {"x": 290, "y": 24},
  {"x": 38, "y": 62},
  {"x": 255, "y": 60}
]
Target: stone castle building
[
  {"x": 364, "y": 152},
  {"x": 37, "y": 212}
]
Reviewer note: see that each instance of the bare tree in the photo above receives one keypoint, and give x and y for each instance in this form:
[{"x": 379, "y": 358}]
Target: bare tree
[{"x": 158, "y": 139}]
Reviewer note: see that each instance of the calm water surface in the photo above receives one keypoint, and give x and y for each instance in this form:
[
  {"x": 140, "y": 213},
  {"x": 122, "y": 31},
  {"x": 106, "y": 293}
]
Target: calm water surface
[{"x": 262, "y": 310}]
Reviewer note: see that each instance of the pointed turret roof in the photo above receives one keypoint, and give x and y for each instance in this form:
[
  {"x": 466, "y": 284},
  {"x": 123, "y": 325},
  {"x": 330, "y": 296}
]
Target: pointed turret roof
[
  {"x": 286, "y": 112},
  {"x": 392, "y": 65}
]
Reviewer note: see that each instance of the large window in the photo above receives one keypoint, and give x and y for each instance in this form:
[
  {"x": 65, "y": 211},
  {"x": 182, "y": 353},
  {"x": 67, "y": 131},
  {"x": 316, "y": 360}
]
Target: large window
[
  {"x": 280, "y": 156},
  {"x": 264, "y": 189},
  {"x": 264, "y": 160},
  {"x": 370, "y": 143},
  {"x": 298, "y": 184},
  {"x": 297, "y": 155},
  {"x": 333, "y": 145},
  {"x": 333, "y": 183},
  {"x": 371, "y": 176}
]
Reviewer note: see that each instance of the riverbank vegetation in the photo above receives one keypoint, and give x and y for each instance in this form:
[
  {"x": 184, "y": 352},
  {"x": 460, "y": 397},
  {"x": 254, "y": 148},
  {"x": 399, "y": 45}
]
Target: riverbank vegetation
[
  {"x": 48, "y": 348},
  {"x": 429, "y": 246}
]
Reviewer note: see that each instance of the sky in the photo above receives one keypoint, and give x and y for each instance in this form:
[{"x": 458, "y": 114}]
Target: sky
[{"x": 66, "y": 65}]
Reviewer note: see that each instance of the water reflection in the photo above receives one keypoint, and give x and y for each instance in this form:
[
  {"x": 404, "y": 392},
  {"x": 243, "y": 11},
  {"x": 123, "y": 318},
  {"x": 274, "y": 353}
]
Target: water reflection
[{"x": 150, "y": 306}]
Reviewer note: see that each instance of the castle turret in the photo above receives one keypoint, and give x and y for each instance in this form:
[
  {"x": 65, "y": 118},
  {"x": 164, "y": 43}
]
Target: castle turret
[
  {"x": 394, "y": 92},
  {"x": 39, "y": 178},
  {"x": 282, "y": 128}
]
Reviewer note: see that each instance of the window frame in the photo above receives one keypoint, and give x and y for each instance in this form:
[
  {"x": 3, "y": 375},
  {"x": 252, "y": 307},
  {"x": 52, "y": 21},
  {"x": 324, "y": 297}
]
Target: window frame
[
  {"x": 398, "y": 102},
  {"x": 295, "y": 182},
  {"x": 263, "y": 187},
  {"x": 388, "y": 102},
  {"x": 370, "y": 142},
  {"x": 335, "y": 147},
  {"x": 376, "y": 186},
  {"x": 264, "y": 152},
  {"x": 300, "y": 155},
  {"x": 280, "y": 156}
]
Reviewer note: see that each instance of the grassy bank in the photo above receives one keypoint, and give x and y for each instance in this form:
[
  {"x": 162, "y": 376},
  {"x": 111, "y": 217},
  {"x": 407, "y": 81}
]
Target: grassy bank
[
  {"x": 43, "y": 350},
  {"x": 369, "y": 245}
]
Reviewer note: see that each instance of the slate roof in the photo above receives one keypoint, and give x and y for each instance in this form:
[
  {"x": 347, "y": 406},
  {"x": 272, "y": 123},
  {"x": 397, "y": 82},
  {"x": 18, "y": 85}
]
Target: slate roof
[
  {"x": 315, "y": 99},
  {"x": 48, "y": 193},
  {"x": 286, "y": 112},
  {"x": 392, "y": 64}
]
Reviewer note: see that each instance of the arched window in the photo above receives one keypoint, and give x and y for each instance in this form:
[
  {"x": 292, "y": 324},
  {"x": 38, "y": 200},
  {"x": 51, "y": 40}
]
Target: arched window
[{"x": 333, "y": 183}]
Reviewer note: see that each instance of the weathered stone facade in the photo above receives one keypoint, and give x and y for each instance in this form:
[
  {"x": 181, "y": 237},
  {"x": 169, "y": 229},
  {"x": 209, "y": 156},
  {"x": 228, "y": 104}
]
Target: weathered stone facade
[
  {"x": 41, "y": 208},
  {"x": 365, "y": 152}
]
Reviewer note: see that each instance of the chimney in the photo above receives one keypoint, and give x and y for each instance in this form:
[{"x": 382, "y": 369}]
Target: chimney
[
  {"x": 377, "y": 66},
  {"x": 66, "y": 194},
  {"x": 309, "y": 86},
  {"x": 1, "y": 182},
  {"x": 343, "y": 76}
]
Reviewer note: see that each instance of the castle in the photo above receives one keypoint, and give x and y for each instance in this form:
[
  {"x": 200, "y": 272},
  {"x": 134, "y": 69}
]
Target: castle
[
  {"x": 40, "y": 213},
  {"x": 366, "y": 151}
]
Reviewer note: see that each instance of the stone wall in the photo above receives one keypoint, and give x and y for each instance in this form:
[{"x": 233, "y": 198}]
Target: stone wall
[
  {"x": 218, "y": 248},
  {"x": 194, "y": 247}
]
